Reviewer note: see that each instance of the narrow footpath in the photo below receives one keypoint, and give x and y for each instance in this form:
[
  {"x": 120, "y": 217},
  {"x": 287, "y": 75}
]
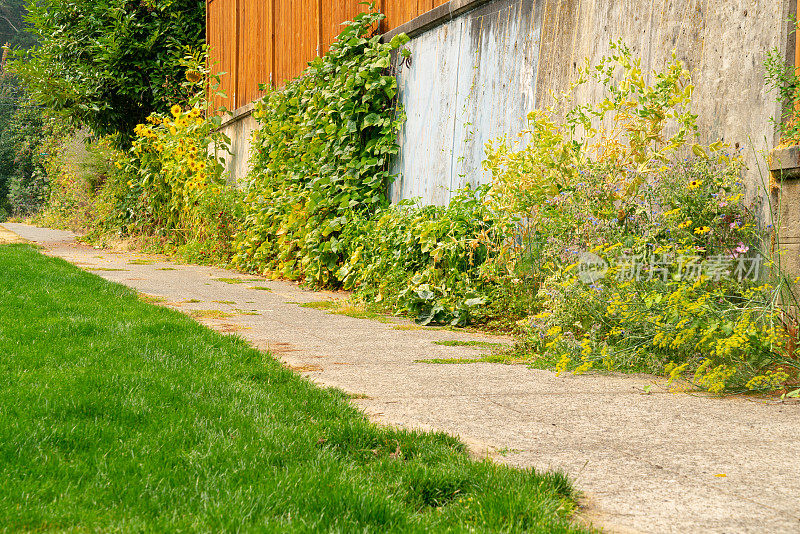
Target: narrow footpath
[{"x": 646, "y": 459}]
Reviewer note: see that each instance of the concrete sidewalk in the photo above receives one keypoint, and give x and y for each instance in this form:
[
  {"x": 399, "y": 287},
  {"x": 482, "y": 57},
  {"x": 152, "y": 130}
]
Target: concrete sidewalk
[{"x": 657, "y": 462}]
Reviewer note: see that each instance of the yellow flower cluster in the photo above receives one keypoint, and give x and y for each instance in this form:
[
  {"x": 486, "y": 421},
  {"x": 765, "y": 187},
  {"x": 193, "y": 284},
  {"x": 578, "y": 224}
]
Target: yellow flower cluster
[
  {"x": 715, "y": 379},
  {"x": 584, "y": 367},
  {"x": 144, "y": 131},
  {"x": 675, "y": 371},
  {"x": 563, "y": 363},
  {"x": 769, "y": 381}
]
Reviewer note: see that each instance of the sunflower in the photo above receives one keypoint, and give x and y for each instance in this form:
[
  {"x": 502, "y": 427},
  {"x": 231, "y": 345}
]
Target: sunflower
[
  {"x": 175, "y": 110},
  {"x": 192, "y": 76}
]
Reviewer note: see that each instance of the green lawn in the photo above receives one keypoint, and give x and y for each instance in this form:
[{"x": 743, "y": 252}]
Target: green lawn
[{"x": 117, "y": 415}]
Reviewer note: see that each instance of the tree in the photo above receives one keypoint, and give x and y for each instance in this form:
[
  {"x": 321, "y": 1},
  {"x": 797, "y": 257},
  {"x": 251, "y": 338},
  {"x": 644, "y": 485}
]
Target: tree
[
  {"x": 108, "y": 64},
  {"x": 12, "y": 24},
  {"x": 23, "y": 141}
]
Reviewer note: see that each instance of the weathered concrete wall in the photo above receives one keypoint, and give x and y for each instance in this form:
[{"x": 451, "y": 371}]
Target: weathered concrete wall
[
  {"x": 239, "y": 126},
  {"x": 474, "y": 77},
  {"x": 470, "y": 80}
]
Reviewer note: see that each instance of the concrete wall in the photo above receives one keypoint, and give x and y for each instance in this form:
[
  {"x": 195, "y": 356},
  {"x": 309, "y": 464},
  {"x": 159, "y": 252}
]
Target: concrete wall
[
  {"x": 475, "y": 73},
  {"x": 479, "y": 66},
  {"x": 239, "y": 126},
  {"x": 471, "y": 80}
]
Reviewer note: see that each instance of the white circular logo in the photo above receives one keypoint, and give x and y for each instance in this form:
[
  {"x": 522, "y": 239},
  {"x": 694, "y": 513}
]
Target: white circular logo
[{"x": 591, "y": 268}]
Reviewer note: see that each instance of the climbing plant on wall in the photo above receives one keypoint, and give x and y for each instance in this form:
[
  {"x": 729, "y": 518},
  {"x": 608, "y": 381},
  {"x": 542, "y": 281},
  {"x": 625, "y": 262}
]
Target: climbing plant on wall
[{"x": 321, "y": 157}]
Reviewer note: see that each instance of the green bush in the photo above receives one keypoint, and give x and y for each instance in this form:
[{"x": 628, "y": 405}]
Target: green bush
[
  {"x": 321, "y": 158},
  {"x": 22, "y": 158},
  {"x": 638, "y": 236},
  {"x": 430, "y": 262},
  {"x": 108, "y": 64}
]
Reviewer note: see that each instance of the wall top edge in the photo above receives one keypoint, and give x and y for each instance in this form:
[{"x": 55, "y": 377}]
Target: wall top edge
[
  {"x": 238, "y": 114},
  {"x": 435, "y": 17}
]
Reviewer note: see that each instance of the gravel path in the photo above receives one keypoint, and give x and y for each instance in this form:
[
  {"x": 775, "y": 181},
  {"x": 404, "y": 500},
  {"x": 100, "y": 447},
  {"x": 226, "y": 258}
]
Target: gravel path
[{"x": 646, "y": 462}]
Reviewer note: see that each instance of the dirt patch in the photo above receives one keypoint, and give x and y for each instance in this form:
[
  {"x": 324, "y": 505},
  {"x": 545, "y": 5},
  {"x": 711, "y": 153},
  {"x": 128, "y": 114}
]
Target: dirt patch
[
  {"x": 228, "y": 328},
  {"x": 281, "y": 348},
  {"x": 7, "y": 237}
]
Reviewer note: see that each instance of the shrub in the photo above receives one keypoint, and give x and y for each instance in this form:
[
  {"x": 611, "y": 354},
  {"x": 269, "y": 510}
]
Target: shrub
[
  {"x": 422, "y": 260},
  {"x": 320, "y": 158},
  {"x": 22, "y": 158},
  {"x": 640, "y": 238},
  {"x": 108, "y": 64},
  {"x": 83, "y": 182},
  {"x": 176, "y": 188}
]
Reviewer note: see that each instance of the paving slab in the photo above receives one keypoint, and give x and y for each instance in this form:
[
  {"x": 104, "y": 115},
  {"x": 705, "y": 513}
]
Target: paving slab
[{"x": 647, "y": 460}]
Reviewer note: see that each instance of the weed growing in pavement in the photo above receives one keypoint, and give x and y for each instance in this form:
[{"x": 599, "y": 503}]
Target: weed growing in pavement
[{"x": 458, "y": 343}]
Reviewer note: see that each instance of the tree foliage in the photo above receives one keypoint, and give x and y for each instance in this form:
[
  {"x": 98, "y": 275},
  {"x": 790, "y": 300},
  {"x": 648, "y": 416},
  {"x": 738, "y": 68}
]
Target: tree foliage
[
  {"x": 12, "y": 24},
  {"x": 108, "y": 64}
]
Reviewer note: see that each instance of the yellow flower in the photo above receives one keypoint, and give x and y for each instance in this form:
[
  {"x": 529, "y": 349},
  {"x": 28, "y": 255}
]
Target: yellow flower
[
  {"x": 562, "y": 364},
  {"x": 584, "y": 367},
  {"x": 192, "y": 76},
  {"x": 175, "y": 110},
  {"x": 702, "y": 230},
  {"x": 694, "y": 184}
]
